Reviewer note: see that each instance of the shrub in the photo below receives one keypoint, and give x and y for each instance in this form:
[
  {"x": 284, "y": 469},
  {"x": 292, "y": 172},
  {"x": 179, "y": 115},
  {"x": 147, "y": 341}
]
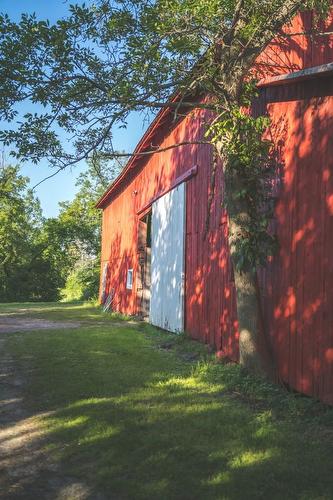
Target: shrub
[{"x": 83, "y": 282}]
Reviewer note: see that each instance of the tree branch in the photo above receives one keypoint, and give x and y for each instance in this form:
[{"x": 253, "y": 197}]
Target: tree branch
[
  {"x": 110, "y": 156},
  {"x": 152, "y": 151}
]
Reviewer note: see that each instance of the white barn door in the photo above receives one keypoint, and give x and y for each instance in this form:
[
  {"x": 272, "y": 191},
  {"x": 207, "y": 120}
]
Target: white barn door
[{"x": 167, "y": 261}]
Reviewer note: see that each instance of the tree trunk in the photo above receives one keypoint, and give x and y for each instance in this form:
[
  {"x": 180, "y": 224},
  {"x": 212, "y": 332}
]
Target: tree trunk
[
  {"x": 254, "y": 344},
  {"x": 255, "y": 352}
]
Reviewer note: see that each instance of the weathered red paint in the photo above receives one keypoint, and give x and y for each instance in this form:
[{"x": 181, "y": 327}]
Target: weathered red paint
[
  {"x": 297, "y": 285},
  {"x": 186, "y": 176}
]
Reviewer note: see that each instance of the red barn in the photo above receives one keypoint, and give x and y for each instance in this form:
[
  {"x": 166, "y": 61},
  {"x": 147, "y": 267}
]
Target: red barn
[{"x": 157, "y": 261}]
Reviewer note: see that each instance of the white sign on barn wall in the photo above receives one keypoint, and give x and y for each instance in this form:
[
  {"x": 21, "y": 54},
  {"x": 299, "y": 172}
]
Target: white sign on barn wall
[{"x": 167, "y": 260}]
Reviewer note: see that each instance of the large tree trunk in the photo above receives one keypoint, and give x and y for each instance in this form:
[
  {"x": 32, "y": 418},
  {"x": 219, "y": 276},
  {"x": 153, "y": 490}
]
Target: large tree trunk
[
  {"x": 254, "y": 344},
  {"x": 255, "y": 352}
]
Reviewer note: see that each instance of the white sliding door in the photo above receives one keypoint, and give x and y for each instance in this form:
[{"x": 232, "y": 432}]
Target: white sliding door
[{"x": 167, "y": 260}]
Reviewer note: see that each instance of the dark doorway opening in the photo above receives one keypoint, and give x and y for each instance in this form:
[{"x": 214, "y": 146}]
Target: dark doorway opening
[{"x": 144, "y": 259}]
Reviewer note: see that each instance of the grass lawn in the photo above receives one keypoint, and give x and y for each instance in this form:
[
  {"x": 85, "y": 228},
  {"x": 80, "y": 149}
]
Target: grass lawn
[{"x": 139, "y": 413}]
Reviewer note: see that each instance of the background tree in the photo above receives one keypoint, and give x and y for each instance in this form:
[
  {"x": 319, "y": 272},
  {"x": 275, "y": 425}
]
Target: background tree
[
  {"x": 46, "y": 259},
  {"x": 26, "y": 270},
  {"x": 106, "y": 59},
  {"x": 81, "y": 223}
]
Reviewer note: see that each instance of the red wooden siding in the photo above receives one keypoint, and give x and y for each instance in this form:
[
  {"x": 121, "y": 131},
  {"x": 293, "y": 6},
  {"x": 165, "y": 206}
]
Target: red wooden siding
[
  {"x": 296, "y": 49},
  {"x": 210, "y": 294},
  {"x": 297, "y": 286}
]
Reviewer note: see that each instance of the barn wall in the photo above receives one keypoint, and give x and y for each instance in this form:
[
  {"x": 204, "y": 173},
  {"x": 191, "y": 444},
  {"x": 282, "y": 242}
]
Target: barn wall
[
  {"x": 297, "y": 291},
  {"x": 296, "y": 49},
  {"x": 297, "y": 287},
  {"x": 210, "y": 293}
]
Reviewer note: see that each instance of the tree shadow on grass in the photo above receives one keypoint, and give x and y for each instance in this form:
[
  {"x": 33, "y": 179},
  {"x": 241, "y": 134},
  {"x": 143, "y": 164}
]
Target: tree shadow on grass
[
  {"x": 133, "y": 422},
  {"x": 173, "y": 441}
]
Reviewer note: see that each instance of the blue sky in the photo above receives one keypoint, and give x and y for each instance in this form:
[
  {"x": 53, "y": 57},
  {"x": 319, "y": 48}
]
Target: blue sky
[{"x": 62, "y": 186}]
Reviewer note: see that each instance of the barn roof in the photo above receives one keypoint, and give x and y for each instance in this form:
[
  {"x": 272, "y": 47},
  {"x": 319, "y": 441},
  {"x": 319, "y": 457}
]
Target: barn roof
[{"x": 143, "y": 145}]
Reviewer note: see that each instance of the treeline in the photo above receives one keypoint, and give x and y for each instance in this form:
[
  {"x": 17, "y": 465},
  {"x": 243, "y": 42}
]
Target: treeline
[{"x": 47, "y": 259}]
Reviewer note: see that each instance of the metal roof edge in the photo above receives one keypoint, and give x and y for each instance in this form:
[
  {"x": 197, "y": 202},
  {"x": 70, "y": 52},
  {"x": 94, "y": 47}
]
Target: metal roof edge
[{"x": 295, "y": 76}]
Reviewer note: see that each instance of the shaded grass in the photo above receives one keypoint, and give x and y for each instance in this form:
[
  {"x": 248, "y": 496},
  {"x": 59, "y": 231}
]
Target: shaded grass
[
  {"x": 16, "y": 307},
  {"x": 139, "y": 413},
  {"x": 67, "y": 311}
]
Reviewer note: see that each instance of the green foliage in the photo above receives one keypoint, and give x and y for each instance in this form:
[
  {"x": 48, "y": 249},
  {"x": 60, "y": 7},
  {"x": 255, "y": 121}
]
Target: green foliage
[
  {"x": 83, "y": 282},
  {"x": 79, "y": 228},
  {"x": 84, "y": 74},
  {"x": 78, "y": 220},
  {"x": 73, "y": 288},
  {"x": 26, "y": 270},
  {"x": 249, "y": 169},
  {"x": 38, "y": 255}
]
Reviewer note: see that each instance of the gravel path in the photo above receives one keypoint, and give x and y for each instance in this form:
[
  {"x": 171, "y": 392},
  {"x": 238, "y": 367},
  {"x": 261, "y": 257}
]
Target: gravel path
[
  {"x": 26, "y": 469},
  {"x": 13, "y": 323}
]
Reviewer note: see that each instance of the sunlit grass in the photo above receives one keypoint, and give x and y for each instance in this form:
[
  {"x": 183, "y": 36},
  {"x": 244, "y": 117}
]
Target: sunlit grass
[{"x": 131, "y": 415}]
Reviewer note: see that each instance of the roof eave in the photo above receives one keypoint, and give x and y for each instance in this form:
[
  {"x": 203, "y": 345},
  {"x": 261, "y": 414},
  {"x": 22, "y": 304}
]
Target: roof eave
[{"x": 141, "y": 146}]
